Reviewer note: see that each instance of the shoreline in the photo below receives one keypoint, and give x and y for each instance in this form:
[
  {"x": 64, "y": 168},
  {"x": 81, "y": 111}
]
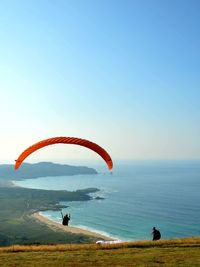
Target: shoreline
[
  {"x": 59, "y": 227},
  {"x": 69, "y": 229}
]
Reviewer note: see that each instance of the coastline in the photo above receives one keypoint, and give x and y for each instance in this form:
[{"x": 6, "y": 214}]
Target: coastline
[
  {"x": 59, "y": 227},
  {"x": 70, "y": 229}
]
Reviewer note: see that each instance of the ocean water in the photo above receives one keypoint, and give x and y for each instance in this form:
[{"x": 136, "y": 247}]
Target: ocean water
[{"x": 137, "y": 196}]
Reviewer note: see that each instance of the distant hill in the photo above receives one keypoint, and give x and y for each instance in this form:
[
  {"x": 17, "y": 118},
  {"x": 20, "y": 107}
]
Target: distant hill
[{"x": 42, "y": 169}]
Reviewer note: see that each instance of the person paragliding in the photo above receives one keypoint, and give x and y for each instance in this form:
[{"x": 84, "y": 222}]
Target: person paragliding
[
  {"x": 65, "y": 219},
  {"x": 156, "y": 234}
]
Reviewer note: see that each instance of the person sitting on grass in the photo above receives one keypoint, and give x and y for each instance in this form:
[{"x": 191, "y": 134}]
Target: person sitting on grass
[
  {"x": 156, "y": 234},
  {"x": 65, "y": 219}
]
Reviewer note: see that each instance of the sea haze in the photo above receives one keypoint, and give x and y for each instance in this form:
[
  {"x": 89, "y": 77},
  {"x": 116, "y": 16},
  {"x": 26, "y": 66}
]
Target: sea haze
[{"x": 137, "y": 196}]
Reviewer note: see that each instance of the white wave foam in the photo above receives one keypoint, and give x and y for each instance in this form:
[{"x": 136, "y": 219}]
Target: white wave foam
[{"x": 90, "y": 229}]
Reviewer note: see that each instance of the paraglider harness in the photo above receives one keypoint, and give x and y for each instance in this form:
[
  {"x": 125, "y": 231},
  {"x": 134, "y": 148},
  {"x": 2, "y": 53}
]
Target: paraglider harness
[{"x": 65, "y": 219}]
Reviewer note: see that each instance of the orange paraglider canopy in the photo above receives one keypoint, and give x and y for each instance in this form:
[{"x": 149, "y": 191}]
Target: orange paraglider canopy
[{"x": 65, "y": 140}]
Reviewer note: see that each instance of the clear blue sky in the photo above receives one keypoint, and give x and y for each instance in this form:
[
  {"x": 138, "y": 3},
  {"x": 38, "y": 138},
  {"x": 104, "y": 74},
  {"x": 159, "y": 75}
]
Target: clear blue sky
[{"x": 124, "y": 74}]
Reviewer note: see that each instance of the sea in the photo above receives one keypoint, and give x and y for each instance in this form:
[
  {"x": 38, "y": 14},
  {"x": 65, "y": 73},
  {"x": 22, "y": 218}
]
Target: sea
[{"x": 135, "y": 197}]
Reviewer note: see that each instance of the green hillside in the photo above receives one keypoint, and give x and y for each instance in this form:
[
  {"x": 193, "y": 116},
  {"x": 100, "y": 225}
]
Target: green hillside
[
  {"x": 41, "y": 169},
  {"x": 17, "y": 204}
]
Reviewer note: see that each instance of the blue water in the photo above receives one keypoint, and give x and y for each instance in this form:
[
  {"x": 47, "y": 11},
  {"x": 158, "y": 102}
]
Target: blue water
[{"x": 138, "y": 196}]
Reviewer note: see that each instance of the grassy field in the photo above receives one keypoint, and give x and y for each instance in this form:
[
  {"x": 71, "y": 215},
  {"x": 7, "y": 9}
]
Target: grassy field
[{"x": 180, "y": 252}]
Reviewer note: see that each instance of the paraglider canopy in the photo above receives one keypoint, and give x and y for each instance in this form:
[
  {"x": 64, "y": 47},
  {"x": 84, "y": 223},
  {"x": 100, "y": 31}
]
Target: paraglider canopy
[{"x": 65, "y": 140}]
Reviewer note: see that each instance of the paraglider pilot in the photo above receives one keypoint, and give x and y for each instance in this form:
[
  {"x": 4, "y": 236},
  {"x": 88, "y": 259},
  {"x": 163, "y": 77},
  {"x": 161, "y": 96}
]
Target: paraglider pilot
[
  {"x": 156, "y": 234},
  {"x": 65, "y": 219}
]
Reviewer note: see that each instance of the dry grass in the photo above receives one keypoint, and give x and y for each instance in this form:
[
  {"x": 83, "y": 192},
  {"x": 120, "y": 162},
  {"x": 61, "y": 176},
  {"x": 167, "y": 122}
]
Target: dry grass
[
  {"x": 169, "y": 253},
  {"x": 182, "y": 242}
]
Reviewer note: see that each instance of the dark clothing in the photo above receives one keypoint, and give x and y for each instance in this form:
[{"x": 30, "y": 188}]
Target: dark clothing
[
  {"x": 156, "y": 234},
  {"x": 66, "y": 219}
]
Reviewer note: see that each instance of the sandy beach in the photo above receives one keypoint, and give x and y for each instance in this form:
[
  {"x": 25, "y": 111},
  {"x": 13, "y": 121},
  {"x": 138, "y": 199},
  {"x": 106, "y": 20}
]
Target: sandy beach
[{"x": 70, "y": 229}]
